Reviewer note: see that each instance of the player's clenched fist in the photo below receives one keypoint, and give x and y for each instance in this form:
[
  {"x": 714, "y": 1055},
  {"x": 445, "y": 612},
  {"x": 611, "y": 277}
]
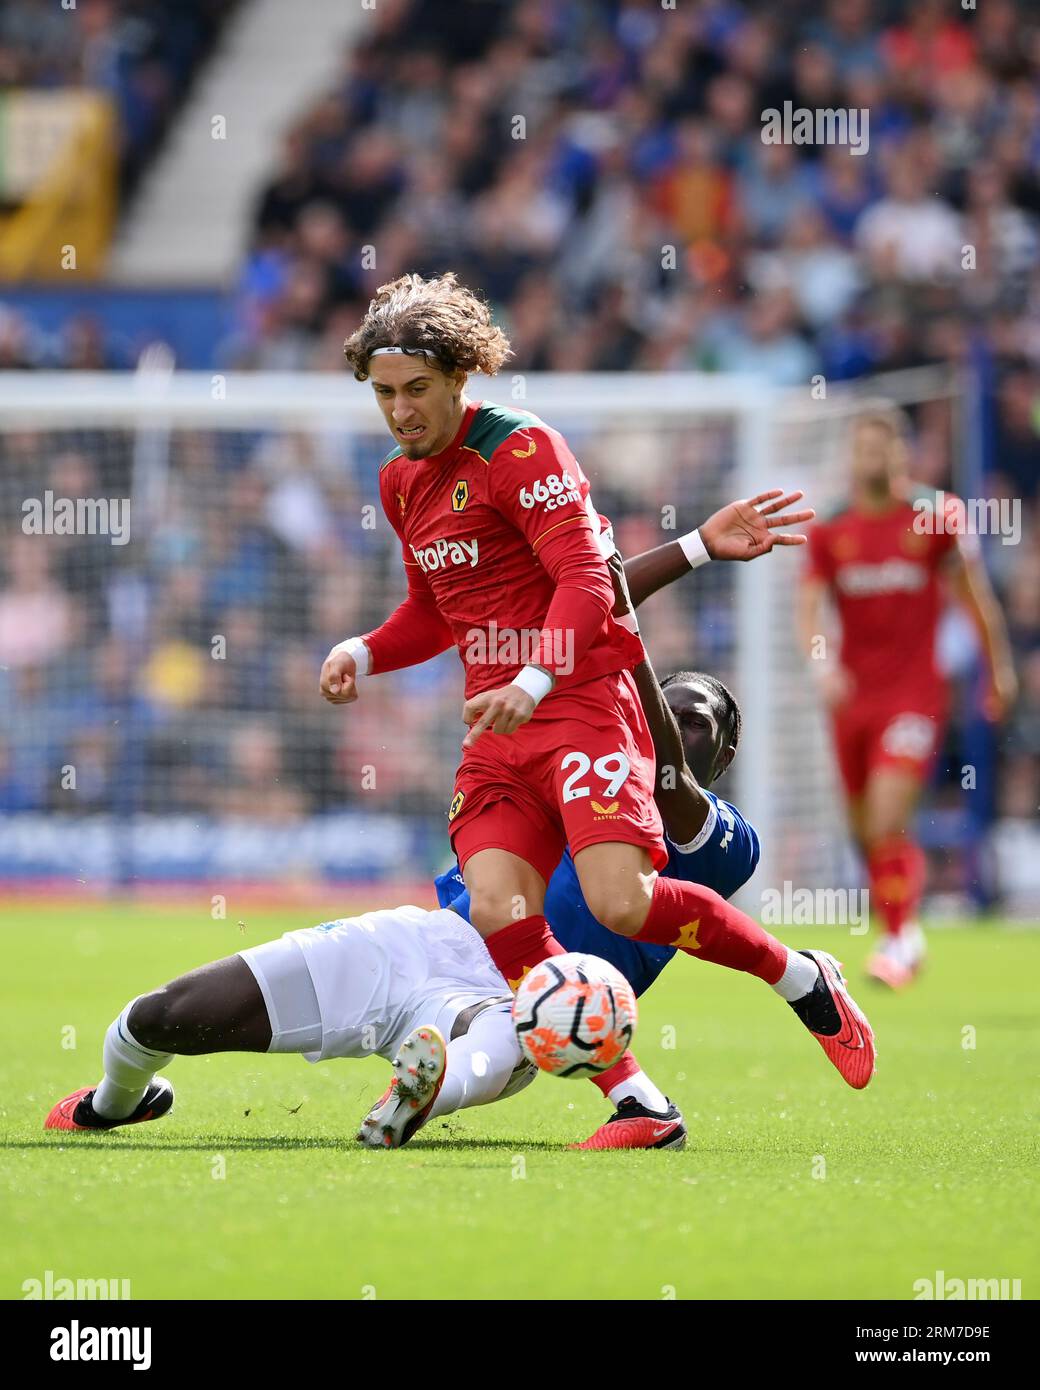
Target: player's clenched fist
[
  {"x": 502, "y": 711},
  {"x": 338, "y": 681}
]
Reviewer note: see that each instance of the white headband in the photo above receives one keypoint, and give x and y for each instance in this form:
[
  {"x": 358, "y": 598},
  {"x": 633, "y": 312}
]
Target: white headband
[{"x": 408, "y": 352}]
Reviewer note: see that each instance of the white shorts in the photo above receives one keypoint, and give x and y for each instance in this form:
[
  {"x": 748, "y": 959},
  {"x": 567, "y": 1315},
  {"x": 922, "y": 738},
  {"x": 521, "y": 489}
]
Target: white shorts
[{"x": 375, "y": 978}]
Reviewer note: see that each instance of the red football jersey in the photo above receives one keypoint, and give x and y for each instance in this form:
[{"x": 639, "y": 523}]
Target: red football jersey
[
  {"x": 882, "y": 571},
  {"x": 497, "y": 529}
]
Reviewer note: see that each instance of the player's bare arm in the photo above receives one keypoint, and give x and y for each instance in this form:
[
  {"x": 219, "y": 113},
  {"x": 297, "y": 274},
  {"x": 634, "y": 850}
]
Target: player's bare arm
[
  {"x": 832, "y": 680},
  {"x": 741, "y": 530},
  {"x": 679, "y": 796},
  {"x": 970, "y": 586}
]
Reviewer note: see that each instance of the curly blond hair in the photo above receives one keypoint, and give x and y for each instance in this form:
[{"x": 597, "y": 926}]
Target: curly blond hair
[{"x": 438, "y": 316}]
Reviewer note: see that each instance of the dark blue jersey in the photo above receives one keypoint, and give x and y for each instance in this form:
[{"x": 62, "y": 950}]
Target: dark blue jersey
[{"x": 723, "y": 857}]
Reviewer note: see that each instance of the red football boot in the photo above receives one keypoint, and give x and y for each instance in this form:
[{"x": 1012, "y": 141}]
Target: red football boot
[
  {"x": 633, "y": 1126},
  {"x": 76, "y": 1111},
  {"x": 837, "y": 1022}
]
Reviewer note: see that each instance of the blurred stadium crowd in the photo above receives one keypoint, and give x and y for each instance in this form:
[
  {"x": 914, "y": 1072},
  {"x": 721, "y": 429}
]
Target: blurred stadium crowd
[
  {"x": 641, "y": 131},
  {"x": 143, "y": 54}
]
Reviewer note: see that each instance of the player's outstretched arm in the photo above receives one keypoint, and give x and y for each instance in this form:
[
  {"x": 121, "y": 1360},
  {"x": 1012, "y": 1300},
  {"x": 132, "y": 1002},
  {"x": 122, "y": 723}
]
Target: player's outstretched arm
[
  {"x": 741, "y": 530},
  {"x": 679, "y": 796}
]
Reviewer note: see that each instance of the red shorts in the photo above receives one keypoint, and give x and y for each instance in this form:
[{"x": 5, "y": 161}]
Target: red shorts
[
  {"x": 580, "y": 773},
  {"x": 870, "y": 733}
]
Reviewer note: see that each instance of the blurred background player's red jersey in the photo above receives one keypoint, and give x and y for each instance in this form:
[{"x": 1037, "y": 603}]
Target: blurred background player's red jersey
[{"x": 882, "y": 571}]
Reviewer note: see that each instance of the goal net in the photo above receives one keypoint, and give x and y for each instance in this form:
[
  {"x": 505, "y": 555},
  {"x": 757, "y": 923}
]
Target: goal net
[{"x": 180, "y": 552}]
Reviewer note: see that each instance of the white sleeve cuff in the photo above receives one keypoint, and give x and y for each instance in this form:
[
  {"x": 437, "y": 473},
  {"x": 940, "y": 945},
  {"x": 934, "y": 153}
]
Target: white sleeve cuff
[
  {"x": 357, "y": 647},
  {"x": 536, "y": 682},
  {"x": 703, "y": 835},
  {"x": 694, "y": 549}
]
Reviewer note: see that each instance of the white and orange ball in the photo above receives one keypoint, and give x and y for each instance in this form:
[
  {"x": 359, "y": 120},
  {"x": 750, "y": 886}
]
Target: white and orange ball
[{"x": 574, "y": 1014}]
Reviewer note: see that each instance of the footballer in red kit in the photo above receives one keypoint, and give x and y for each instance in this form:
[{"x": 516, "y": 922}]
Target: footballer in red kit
[
  {"x": 506, "y": 559},
  {"x": 887, "y": 559},
  {"x": 449, "y": 511}
]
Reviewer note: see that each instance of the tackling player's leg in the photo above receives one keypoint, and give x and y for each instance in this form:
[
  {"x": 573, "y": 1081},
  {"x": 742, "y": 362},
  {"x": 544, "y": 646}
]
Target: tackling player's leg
[
  {"x": 482, "y": 1063},
  {"x": 404, "y": 1107},
  {"x": 217, "y": 1008},
  {"x": 266, "y": 1000}
]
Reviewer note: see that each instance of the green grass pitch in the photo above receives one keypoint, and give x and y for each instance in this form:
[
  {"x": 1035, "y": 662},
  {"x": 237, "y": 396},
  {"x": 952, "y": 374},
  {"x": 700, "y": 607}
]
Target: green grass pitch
[{"x": 792, "y": 1185}]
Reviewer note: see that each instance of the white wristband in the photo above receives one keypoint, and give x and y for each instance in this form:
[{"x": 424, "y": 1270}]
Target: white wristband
[
  {"x": 694, "y": 549},
  {"x": 357, "y": 647},
  {"x": 535, "y": 682}
]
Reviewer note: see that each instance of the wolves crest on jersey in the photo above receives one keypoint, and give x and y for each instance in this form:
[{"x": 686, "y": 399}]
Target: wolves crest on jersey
[{"x": 475, "y": 521}]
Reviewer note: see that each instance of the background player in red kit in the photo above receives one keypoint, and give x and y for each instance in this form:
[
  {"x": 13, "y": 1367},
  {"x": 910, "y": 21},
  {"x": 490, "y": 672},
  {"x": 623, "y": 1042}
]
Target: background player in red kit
[
  {"x": 504, "y": 555},
  {"x": 883, "y": 558}
]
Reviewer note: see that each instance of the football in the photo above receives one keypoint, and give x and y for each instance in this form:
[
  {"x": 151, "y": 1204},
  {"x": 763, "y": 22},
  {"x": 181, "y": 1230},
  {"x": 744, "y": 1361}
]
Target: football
[{"x": 574, "y": 1014}]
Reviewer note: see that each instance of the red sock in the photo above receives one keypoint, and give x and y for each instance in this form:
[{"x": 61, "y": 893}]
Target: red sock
[
  {"x": 897, "y": 873},
  {"x": 613, "y": 1076},
  {"x": 703, "y": 924},
  {"x": 519, "y": 947}
]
